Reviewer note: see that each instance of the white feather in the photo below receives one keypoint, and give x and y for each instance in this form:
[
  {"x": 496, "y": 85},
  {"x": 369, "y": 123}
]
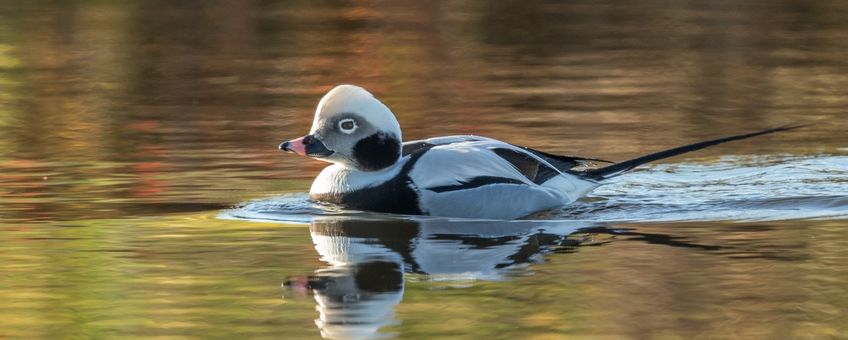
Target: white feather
[
  {"x": 354, "y": 99},
  {"x": 455, "y": 163},
  {"x": 469, "y": 157},
  {"x": 338, "y": 179}
]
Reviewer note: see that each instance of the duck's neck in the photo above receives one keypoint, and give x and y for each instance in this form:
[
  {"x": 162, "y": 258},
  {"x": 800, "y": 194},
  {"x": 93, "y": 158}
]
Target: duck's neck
[{"x": 339, "y": 179}]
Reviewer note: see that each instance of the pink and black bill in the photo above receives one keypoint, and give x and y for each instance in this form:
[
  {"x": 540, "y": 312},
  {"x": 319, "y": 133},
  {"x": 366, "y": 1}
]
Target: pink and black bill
[{"x": 306, "y": 146}]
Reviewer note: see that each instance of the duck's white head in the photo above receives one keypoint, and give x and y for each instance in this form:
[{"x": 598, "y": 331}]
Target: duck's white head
[{"x": 351, "y": 128}]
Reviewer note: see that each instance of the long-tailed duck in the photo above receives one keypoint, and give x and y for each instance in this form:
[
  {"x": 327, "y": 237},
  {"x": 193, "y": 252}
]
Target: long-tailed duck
[{"x": 454, "y": 176}]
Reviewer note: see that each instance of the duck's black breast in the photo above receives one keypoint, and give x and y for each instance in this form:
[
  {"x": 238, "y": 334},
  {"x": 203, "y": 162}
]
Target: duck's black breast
[{"x": 398, "y": 195}]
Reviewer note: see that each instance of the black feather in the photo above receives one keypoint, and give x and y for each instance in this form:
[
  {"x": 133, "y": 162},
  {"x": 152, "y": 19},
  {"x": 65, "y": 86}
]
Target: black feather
[{"x": 619, "y": 168}]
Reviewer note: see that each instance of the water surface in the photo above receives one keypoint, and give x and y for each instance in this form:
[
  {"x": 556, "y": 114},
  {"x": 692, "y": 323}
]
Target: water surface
[{"x": 141, "y": 192}]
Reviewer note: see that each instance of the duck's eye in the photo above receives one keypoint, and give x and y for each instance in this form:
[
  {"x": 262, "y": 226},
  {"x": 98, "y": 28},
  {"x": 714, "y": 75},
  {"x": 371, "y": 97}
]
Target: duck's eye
[{"x": 347, "y": 125}]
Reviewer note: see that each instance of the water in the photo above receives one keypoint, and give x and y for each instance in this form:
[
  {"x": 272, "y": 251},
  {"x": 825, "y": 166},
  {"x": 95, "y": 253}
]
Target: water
[
  {"x": 141, "y": 192},
  {"x": 744, "y": 189}
]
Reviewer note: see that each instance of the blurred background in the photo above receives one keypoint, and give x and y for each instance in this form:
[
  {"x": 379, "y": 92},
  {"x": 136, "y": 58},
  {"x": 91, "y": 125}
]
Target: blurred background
[
  {"x": 125, "y": 126},
  {"x": 116, "y": 107}
]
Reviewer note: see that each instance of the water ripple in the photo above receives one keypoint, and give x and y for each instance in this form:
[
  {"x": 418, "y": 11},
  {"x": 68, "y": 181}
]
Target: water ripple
[{"x": 735, "y": 188}]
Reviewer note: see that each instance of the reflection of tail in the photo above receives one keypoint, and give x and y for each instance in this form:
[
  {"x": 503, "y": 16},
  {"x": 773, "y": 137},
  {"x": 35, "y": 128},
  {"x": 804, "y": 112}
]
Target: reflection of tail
[{"x": 619, "y": 168}]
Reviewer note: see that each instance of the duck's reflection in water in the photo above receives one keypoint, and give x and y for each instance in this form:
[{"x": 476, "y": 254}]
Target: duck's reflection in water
[{"x": 357, "y": 293}]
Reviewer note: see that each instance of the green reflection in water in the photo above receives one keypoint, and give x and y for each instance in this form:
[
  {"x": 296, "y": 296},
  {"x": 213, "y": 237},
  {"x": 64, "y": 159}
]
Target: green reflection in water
[
  {"x": 179, "y": 275},
  {"x": 194, "y": 275}
]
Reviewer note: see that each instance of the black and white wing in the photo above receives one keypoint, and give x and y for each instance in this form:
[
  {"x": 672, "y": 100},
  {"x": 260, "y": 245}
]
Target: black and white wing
[{"x": 477, "y": 176}]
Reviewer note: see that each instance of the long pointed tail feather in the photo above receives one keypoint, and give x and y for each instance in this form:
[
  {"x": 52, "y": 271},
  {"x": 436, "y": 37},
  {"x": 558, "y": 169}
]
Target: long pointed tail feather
[{"x": 619, "y": 168}]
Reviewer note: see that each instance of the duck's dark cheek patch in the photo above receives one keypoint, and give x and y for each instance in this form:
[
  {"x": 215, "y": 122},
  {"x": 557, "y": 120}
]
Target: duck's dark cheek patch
[{"x": 376, "y": 151}]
